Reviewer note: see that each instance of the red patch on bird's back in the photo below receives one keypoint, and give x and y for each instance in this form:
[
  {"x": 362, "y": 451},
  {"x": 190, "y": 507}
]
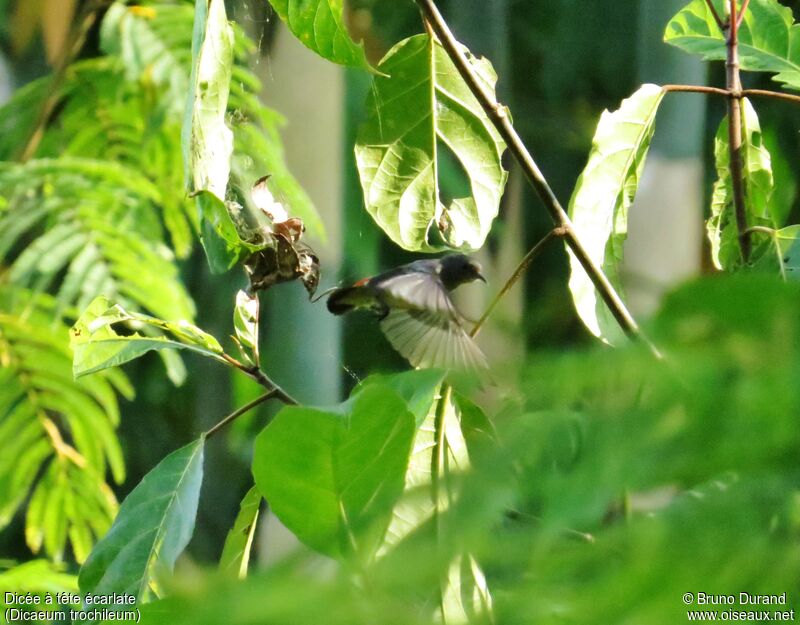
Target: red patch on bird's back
[{"x": 362, "y": 282}]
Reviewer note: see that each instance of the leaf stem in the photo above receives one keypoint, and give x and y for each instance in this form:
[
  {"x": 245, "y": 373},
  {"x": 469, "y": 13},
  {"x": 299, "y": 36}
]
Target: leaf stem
[
  {"x": 512, "y": 280},
  {"x": 439, "y": 440},
  {"x": 240, "y": 411},
  {"x": 771, "y": 94},
  {"x": 499, "y": 116},
  {"x": 716, "y": 15},
  {"x": 262, "y": 378},
  {"x": 742, "y": 11},
  {"x": 438, "y": 468},
  {"x": 734, "y": 86},
  {"x": 727, "y": 93},
  {"x": 697, "y": 89},
  {"x": 762, "y": 230}
]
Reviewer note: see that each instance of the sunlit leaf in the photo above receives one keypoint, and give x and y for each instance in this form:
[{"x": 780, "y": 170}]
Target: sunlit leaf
[
  {"x": 245, "y": 320},
  {"x": 207, "y": 140},
  {"x": 783, "y": 254},
  {"x": 319, "y": 25},
  {"x": 420, "y": 107},
  {"x": 97, "y": 345},
  {"x": 721, "y": 227},
  {"x": 769, "y": 38},
  {"x": 601, "y": 199},
  {"x": 239, "y": 542}
]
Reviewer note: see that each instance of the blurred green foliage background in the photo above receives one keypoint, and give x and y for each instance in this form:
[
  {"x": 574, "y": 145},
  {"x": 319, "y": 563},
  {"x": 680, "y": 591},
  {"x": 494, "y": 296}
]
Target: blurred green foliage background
[{"x": 618, "y": 483}]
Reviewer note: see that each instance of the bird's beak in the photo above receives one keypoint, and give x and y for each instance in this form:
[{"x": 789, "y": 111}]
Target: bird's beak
[{"x": 478, "y": 274}]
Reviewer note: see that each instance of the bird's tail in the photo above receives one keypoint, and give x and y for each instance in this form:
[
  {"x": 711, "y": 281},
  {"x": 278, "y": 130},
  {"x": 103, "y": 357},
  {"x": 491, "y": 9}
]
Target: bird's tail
[{"x": 344, "y": 300}]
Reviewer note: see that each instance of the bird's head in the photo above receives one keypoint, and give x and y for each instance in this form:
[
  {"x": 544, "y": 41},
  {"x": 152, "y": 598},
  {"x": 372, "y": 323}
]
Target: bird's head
[{"x": 457, "y": 269}]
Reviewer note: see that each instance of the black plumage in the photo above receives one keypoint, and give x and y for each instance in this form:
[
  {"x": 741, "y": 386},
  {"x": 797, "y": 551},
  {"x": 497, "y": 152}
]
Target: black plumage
[{"x": 417, "y": 313}]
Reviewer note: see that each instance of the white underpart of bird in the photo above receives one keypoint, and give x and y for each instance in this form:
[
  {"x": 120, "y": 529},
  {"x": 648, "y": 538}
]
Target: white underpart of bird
[{"x": 425, "y": 327}]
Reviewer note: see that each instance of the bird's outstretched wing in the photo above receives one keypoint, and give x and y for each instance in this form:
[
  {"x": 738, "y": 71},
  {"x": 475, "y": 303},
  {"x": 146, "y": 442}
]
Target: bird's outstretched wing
[{"x": 424, "y": 325}]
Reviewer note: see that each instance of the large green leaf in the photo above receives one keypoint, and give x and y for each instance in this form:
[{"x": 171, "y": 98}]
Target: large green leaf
[
  {"x": 97, "y": 345},
  {"x": 769, "y": 39},
  {"x": 418, "y": 388},
  {"x": 421, "y": 107},
  {"x": 154, "y": 525},
  {"x": 721, "y": 227},
  {"x": 603, "y": 194},
  {"x": 235, "y": 557},
  {"x": 319, "y": 25},
  {"x": 332, "y": 475}
]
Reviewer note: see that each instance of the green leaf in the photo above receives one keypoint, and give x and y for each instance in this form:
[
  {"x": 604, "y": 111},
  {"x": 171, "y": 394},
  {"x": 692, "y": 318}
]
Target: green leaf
[
  {"x": 465, "y": 593},
  {"x": 153, "y": 46},
  {"x": 207, "y": 140},
  {"x": 236, "y": 552},
  {"x": 721, "y": 227},
  {"x": 106, "y": 215},
  {"x": 154, "y": 525},
  {"x": 417, "y": 506},
  {"x": 319, "y": 25},
  {"x": 783, "y": 256},
  {"x": 422, "y": 106},
  {"x": 603, "y": 194},
  {"x": 37, "y": 576},
  {"x": 332, "y": 475},
  {"x": 769, "y": 39},
  {"x": 96, "y": 344},
  {"x": 245, "y": 322},
  {"x": 418, "y": 387},
  {"x": 58, "y": 434},
  {"x": 219, "y": 235}
]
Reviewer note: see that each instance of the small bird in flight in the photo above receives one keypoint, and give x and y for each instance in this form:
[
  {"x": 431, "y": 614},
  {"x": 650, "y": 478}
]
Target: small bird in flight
[{"x": 416, "y": 312}]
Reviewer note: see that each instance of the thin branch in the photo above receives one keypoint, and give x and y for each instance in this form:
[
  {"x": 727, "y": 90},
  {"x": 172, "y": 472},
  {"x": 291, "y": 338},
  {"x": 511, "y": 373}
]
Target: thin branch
[
  {"x": 72, "y": 47},
  {"x": 262, "y": 378},
  {"x": 742, "y": 11},
  {"x": 762, "y": 229},
  {"x": 771, "y": 94},
  {"x": 499, "y": 116},
  {"x": 720, "y": 22},
  {"x": 725, "y": 93},
  {"x": 521, "y": 268},
  {"x": 697, "y": 89},
  {"x": 240, "y": 411},
  {"x": 734, "y": 85}
]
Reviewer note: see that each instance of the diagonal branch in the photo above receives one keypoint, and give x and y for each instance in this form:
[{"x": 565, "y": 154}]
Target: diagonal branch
[
  {"x": 240, "y": 411},
  {"x": 521, "y": 268},
  {"x": 262, "y": 378},
  {"x": 499, "y": 116}
]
